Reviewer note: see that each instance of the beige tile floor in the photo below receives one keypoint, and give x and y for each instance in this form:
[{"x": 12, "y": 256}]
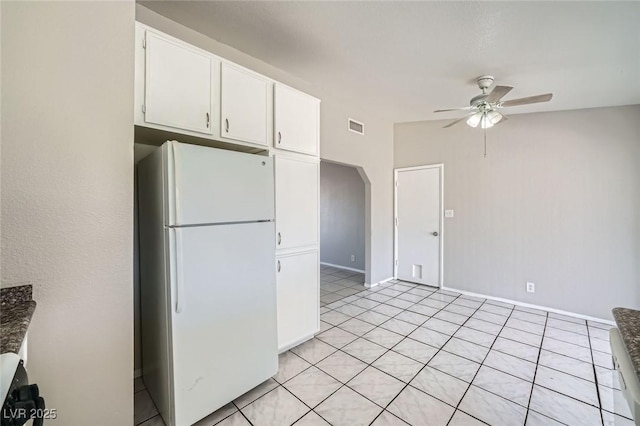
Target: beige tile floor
[{"x": 402, "y": 354}]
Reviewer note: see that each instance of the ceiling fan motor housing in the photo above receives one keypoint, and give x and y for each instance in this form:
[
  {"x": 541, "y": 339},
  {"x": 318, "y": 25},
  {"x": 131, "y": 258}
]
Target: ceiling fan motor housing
[{"x": 484, "y": 82}]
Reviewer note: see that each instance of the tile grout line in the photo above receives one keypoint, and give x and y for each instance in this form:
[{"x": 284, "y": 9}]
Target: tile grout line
[
  {"x": 239, "y": 411},
  {"x": 595, "y": 375},
  {"x": 535, "y": 372}
]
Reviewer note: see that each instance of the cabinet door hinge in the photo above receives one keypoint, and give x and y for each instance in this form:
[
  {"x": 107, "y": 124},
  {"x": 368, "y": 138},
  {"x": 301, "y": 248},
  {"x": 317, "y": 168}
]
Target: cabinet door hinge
[
  {"x": 396, "y": 221},
  {"x": 144, "y": 109},
  {"x": 144, "y": 43},
  {"x": 396, "y": 184},
  {"x": 396, "y": 262}
]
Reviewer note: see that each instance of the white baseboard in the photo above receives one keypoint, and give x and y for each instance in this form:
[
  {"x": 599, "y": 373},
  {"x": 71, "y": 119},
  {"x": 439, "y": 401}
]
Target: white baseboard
[
  {"x": 297, "y": 342},
  {"x": 529, "y": 305},
  {"x": 137, "y": 373},
  {"x": 342, "y": 267},
  {"x": 426, "y": 285},
  {"x": 378, "y": 283}
]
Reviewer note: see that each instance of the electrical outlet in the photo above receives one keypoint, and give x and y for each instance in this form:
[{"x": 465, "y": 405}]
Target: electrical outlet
[
  {"x": 531, "y": 287},
  {"x": 353, "y": 257}
]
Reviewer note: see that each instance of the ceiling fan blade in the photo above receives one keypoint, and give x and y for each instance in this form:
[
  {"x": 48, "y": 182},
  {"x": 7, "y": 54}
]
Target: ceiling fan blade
[
  {"x": 528, "y": 100},
  {"x": 454, "y": 109},
  {"x": 497, "y": 93},
  {"x": 458, "y": 120}
]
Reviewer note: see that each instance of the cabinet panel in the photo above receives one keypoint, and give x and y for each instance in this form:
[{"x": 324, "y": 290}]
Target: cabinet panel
[
  {"x": 243, "y": 105},
  {"x": 177, "y": 85},
  {"x": 295, "y": 120},
  {"x": 297, "y": 185},
  {"x": 298, "y": 298}
]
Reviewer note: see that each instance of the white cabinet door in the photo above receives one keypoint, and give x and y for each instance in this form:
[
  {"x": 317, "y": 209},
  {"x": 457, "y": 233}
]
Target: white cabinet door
[
  {"x": 295, "y": 120},
  {"x": 297, "y": 187},
  {"x": 297, "y": 282},
  {"x": 243, "y": 105},
  {"x": 177, "y": 85}
]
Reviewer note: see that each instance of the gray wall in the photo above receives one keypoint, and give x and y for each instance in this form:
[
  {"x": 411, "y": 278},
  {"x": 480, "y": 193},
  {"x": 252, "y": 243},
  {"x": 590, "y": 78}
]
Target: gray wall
[
  {"x": 67, "y": 168},
  {"x": 556, "y": 202},
  {"x": 342, "y": 215}
]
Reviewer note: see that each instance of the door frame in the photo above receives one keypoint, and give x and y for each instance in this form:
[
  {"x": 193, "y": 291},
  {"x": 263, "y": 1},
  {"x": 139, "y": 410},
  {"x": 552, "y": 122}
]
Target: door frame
[{"x": 440, "y": 167}]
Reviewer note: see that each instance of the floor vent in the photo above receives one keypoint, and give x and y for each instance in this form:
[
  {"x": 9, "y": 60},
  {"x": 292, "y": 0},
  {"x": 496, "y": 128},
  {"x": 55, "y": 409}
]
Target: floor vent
[{"x": 356, "y": 127}]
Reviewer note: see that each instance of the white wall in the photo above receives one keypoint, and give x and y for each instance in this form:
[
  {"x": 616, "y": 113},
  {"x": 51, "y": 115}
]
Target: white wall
[
  {"x": 67, "y": 167},
  {"x": 342, "y": 216},
  {"x": 556, "y": 202}
]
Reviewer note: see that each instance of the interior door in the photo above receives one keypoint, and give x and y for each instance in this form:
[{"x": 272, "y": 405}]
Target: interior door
[
  {"x": 177, "y": 85},
  {"x": 223, "y": 313},
  {"x": 418, "y": 219},
  {"x": 243, "y": 105}
]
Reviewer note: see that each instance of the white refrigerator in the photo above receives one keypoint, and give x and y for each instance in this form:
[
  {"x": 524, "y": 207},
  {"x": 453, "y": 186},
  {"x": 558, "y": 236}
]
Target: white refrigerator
[{"x": 207, "y": 277}]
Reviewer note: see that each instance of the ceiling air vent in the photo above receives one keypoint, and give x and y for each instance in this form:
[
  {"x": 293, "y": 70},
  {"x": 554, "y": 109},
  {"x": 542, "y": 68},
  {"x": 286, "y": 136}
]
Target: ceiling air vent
[{"x": 356, "y": 127}]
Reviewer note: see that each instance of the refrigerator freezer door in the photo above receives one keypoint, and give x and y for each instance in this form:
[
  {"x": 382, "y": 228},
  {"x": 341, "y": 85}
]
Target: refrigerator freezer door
[
  {"x": 208, "y": 185},
  {"x": 223, "y": 309}
]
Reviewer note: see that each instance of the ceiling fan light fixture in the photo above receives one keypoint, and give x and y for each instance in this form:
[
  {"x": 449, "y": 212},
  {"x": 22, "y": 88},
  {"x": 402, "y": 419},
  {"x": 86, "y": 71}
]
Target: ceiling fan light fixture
[
  {"x": 475, "y": 119},
  {"x": 494, "y": 117},
  {"x": 485, "y": 122}
]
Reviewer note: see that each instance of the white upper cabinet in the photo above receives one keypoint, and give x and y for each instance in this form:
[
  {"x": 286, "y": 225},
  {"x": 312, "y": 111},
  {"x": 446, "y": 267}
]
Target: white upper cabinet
[
  {"x": 243, "y": 105},
  {"x": 296, "y": 120},
  {"x": 297, "y": 188},
  {"x": 177, "y": 85}
]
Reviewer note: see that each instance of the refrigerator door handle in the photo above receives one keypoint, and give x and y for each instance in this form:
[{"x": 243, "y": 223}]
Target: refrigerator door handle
[
  {"x": 180, "y": 296},
  {"x": 175, "y": 184}
]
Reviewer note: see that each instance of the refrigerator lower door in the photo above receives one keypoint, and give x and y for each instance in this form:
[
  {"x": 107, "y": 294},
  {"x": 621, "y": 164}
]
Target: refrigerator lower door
[{"x": 223, "y": 313}]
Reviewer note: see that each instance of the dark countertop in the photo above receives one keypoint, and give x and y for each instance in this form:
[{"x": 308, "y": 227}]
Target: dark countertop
[
  {"x": 16, "y": 309},
  {"x": 628, "y": 322}
]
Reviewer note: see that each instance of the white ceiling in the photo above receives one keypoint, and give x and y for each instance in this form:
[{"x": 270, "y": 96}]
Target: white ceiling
[{"x": 410, "y": 58}]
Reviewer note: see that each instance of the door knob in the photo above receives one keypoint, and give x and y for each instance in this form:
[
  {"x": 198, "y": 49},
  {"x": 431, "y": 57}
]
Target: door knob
[{"x": 435, "y": 234}]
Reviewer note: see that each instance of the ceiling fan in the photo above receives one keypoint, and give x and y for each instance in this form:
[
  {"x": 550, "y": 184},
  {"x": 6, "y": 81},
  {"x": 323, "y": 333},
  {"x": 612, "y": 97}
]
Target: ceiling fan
[{"x": 483, "y": 108}]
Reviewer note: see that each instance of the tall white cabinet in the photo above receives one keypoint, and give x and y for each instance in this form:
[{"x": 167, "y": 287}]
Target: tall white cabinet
[
  {"x": 296, "y": 147},
  {"x": 182, "y": 90}
]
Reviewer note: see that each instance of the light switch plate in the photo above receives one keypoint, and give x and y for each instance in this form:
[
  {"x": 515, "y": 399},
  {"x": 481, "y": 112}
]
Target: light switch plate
[{"x": 448, "y": 213}]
